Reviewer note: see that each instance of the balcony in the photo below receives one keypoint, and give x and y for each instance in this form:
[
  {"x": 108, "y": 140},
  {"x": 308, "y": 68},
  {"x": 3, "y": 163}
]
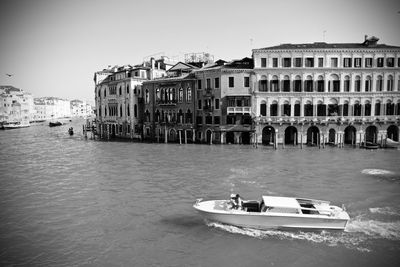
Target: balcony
[
  {"x": 239, "y": 110},
  {"x": 328, "y": 119}
]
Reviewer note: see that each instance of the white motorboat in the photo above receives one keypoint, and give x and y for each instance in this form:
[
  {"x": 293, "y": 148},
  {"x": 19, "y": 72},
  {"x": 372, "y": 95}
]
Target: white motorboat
[
  {"x": 275, "y": 212},
  {"x": 16, "y": 125}
]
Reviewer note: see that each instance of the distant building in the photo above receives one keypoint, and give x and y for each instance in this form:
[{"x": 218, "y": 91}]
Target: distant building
[
  {"x": 323, "y": 92},
  {"x": 48, "y": 108},
  {"x": 80, "y": 108},
  {"x": 15, "y": 105}
]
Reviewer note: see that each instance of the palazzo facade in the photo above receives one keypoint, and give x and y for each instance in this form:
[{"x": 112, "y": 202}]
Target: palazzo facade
[{"x": 330, "y": 93}]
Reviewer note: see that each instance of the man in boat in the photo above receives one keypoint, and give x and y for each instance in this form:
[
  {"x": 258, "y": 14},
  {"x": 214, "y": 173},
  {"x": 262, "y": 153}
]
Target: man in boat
[{"x": 236, "y": 201}]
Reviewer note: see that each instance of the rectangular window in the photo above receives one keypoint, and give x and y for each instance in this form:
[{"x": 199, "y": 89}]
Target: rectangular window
[
  {"x": 334, "y": 62},
  {"x": 368, "y": 62},
  {"x": 217, "y": 120},
  {"x": 398, "y": 62},
  {"x": 208, "y": 120},
  {"x": 208, "y": 82},
  {"x": 199, "y": 120},
  {"x": 263, "y": 62},
  {"x": 199, "y": 104},
  {"x": 379, "y": 62},
  {"x": 246, "y": 81},
  {"x": 321, "y": 62},
  {"x": 216, "y": 103},
  {"x": 216, "y": 82},
  {"x": 347, "y": 62},
  {"x": 198, "y": 84},
  {"x": 275, "y": 62},
  {"x": 357, "y": 86},
  {"x": 390, "y": 62},
  {"x": 231, "y": 82},
  {"x": 286, "y": 62},
  {"x": 357, "y": 62},
  {"x": 298, "y": 62},
  {"x": 309, "y": 62}
]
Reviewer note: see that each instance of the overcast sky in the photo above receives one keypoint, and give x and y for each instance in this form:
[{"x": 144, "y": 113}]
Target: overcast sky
[{"x": 53, "y": 47}]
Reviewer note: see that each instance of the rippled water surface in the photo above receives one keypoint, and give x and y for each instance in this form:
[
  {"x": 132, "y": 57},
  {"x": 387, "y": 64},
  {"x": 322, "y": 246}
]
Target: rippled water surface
[{"x": 67, "y": 201}]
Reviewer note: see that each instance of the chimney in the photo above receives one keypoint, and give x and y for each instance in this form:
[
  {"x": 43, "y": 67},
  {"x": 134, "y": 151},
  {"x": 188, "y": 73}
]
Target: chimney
[
  {"x": 365, "y": 37},
  {"x": 152, "y": 63}
]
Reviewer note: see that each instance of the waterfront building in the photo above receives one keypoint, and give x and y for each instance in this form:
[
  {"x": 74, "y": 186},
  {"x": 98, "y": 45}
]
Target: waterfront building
[
  {"x": 48, "y": 108},
  {"x": 16, "y": 105},
  {"x": 169, "y": 105},
  {"x": 80, "y": 108},
  {"x": 223, "y": 102},
  {"x": 338, "y": 93},
  {"x": 119, "y": 97}
]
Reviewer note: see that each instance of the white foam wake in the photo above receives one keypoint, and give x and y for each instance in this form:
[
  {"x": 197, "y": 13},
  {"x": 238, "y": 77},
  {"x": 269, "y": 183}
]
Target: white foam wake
[
  {"x": 377, "y": 172},
  {"x": 385, "y": 211},
  {"x": 326, "y": 237},
  {"x": 375, "y": 229}
]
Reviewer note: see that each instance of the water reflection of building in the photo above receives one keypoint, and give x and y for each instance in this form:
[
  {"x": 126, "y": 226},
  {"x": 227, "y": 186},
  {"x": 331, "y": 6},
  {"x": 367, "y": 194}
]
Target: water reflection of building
[{"x": 320, "y": 92}]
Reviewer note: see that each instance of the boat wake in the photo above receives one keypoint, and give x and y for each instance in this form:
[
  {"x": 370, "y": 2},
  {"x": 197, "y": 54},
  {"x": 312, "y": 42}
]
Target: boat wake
[
  {"x": 385, "y": 211},
  {"x": 358, "y": 235},
  {"x": 377, "y": 172}
]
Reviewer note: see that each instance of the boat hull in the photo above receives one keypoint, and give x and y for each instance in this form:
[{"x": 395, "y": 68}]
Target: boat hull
[{"x": 264, "y": 221}]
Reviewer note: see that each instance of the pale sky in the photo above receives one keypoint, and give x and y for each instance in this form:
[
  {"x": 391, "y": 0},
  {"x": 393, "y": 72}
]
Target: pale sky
[{"x": 53, "y": 47}]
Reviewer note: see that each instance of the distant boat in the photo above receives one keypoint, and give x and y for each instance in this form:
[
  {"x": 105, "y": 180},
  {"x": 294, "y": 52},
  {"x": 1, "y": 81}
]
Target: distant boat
[
  {"x": 391, "y": 143},
  {"x": 56, "y": 123},
  {"x": 71, "y": 131},
  {"x": 370, "y": 145},
  {"x": 15, "y": 125}
]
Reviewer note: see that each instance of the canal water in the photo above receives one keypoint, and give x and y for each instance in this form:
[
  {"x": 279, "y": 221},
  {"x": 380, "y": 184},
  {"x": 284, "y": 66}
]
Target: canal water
[{"x": 68, "y": 201}]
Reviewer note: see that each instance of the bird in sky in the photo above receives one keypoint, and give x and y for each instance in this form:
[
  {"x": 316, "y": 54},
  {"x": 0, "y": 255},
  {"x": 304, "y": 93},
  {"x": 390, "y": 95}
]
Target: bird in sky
[{"x": 9, "y": 75}]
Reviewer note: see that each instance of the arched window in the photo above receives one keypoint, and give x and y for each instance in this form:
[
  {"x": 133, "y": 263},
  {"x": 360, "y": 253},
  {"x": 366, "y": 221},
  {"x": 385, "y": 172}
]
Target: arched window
[
  {"x": 389, "y": 83},
  {"x": 158, "y": 95},
  {"x": 346, "y": 85},
  {"x": 120, "y": 90},
  {"x": 275, "y": 84},
  {"x": 346, "y": 108},
  {"x": 274, "y": 109},
  {"x": 379, "y": 84},
  {"x": 377, "y": 108},
  {"x": 297, "y": 108},
  {"x": 368, "y": 84},
  {"x": 188, "y": 95},
  {"x": 297, "y": 84},
  {"x": 389, "y": 108},
  {"x": 189, "y": 116},
  {"x": 367, "y": 108},
  {"x": 120, "y": 111},
  {"x": 180, "y": 95},
  {"x": 135, "y": 111},
  {"x": 308, "y": 109},
  {"x": 263, "y": 84},
  {"x": 308, "y": 84},
  {"x": 286, "y": 108},
  {"x": 147, "y": 97},
  {"x": 263, "y": 108},
  {"x": 357, "y": 109},
  {"x": 128, "y": 110},
  {"x": 320, "y": 84},
  {"x": 357, "y": 84},
  {"x": 321, "y": 109},
  {"x": 105, "y": 92},
  {"x": 334, "y": 83},
  {"x": 286, "y": 84},
  {"x": 127, "y": 89}
]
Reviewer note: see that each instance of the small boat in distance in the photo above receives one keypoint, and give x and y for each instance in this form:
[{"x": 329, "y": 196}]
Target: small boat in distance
[
  {"x": 391, "y": 143},
  {"x": 16, "y": 125},
  {"x": 71, "y": 131},
  {"x": 273, "y": 212},
  {"x": 55, "y": 123}
]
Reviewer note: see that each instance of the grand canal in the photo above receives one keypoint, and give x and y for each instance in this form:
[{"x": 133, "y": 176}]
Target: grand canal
[{"x": 68, "y": 201}]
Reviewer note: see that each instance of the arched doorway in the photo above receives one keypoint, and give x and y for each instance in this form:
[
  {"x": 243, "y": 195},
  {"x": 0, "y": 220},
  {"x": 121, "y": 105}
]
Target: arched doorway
[
  {"x": 113, "y": 130},
  {"x": 246, "y": 138},
  {"x": 291, "y": 135},
  {"x": 208, "y": 136},
  {"x": 268, "y": 135},
  {"x": 189, "y": 136},
  {"x": 393, "y": 133},
  {"x": 331, "y": 136},
  {"x": 172, "y": 136},
  {"x": 371, "y": 134},
  {"x": 230, "y": 137},
  {"x": 312, "y": 135},
  {"x": 350, "y": 135}
]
